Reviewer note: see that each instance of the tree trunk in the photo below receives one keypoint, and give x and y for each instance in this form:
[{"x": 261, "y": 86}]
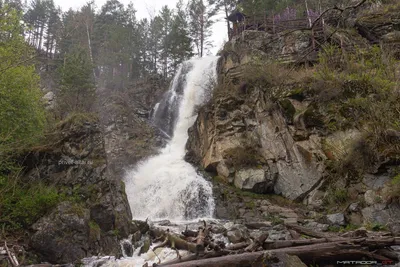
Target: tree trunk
[
  {"x": 228, "y": 24},
  {"x": 308, "y": 14}
]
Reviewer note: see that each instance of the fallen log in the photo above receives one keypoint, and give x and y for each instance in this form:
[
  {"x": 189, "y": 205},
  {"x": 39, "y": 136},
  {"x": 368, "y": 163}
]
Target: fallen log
[
  {"x": 306, "y": 231},
  {"x": 237, "y": 246},
  {"x": 388, "y": 253},
  {"x": 179, "y": 243},
  {"x": 257, "y": 243},
  {"x": 307, "y": 253},
  {"x": 372, "y": 243},
  {"x": 193, "y": 257}
]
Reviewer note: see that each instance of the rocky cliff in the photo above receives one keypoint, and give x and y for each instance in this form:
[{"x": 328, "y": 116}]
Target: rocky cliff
[
  {"x": 284, "y": 120},
  {"x": 94, "y": 212}
]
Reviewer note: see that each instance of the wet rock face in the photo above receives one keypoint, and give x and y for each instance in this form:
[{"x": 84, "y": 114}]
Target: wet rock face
[
  {"x": 96, "y": 212},
  {"x": 129, "y": 133}
]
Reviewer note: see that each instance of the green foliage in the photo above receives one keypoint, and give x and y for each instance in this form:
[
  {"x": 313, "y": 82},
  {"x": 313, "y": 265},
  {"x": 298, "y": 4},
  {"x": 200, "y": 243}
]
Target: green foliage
[
  {"x": 22, "y": 116},
  {"x": 274, "y": 219},
  {"x": 376, "y": 227},
  {"x": 94, "y": 230},
  {"x": 336, "y": 197},
  {"x": 22, "y": 205},
  {"x": 77, "y": 84},
  {"x": 360, "y": 90}
]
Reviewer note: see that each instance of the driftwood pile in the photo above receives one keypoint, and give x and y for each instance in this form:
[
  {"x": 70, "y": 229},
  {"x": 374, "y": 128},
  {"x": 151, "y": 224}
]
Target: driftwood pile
[{"x": 316, "y": 248}]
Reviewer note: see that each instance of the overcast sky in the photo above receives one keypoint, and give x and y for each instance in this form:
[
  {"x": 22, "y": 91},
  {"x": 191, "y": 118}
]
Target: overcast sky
[{"x": 146, "y": 7}]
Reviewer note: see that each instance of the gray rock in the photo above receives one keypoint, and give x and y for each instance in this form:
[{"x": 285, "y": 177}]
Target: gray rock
[
  {"x": 336, "y": 219},
  {"x": 254, "y": 180},
  {"x": 320, "y": 227},
  {"x": 278, "y": 235},
  {"x": 371, "y": 197},
  {"x": 375, "y": 182},
  {"x": 235, "y": 236},
  {"x": 237, "y": 233},
  {"x": 382, "y": 213},
  {"x": 58, "y": 236},
  {"x": 49, "y": 99},
  {"x": 395, "y": 228},
  {"x": 223, "y": 170},
  {"x": 353, "y": 207}
]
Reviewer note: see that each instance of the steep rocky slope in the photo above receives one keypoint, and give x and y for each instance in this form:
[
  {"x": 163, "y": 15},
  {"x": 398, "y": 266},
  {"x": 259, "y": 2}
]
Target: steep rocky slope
[
  {"x": 94, "y": 212},
  {"x": 276, "y": 126}
]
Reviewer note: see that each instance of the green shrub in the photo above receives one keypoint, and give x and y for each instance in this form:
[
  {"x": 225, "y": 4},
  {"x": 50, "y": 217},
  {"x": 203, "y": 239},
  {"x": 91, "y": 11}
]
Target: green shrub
[
  {"x": 22, "y": 205},
  {"x": 336, "y": 196},
  {"x": 22, "y": 113}
]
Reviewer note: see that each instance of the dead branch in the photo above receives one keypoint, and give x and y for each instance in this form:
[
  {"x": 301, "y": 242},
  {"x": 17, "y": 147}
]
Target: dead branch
[
  {"x": 336, "y": 8},
  {"x": 11, "y": 256}
]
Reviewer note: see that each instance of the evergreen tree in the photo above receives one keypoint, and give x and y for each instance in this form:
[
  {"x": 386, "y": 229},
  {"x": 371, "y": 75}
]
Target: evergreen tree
[
  {"x": 200, "y": 25},
  {"x": 227, "y": 6},
  {"x": 166, "y": 20},
  {"x": 180, "y": 41},
  {"x": 77, "y": 85}
]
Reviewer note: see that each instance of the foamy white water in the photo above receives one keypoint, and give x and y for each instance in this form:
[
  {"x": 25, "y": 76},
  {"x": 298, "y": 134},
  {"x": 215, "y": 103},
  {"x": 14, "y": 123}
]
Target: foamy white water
[{"x": 166, "y": 186}]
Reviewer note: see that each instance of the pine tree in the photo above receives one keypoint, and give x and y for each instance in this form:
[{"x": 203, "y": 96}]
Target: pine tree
[
  {"x": 180, "y": 46},
  {"x": 77, "y": 84},
  {"x": 200, "y": 25},
  {"x": 166, "y": 20},
  {"x": 227, "y": 6}
]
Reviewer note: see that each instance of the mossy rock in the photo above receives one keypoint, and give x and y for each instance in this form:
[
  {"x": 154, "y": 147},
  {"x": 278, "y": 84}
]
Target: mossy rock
[
  {"x": 288, "y": 109},
  {"x": 313, "y": 118}
]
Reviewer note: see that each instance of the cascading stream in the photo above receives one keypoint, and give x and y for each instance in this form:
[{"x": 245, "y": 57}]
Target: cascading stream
[{"x": 166, "y": 186}]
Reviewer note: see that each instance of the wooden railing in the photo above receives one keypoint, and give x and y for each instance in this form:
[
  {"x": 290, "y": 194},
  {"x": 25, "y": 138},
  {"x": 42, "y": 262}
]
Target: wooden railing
[{"x": 269, "y": 25}]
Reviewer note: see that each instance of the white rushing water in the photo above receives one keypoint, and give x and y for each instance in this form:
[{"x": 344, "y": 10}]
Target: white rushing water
[{"x": 166, "y": 186}]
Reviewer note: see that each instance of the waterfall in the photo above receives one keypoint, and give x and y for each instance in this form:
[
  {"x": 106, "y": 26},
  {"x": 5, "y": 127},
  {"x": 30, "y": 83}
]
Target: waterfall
[{"x": 166, "y": 186}]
